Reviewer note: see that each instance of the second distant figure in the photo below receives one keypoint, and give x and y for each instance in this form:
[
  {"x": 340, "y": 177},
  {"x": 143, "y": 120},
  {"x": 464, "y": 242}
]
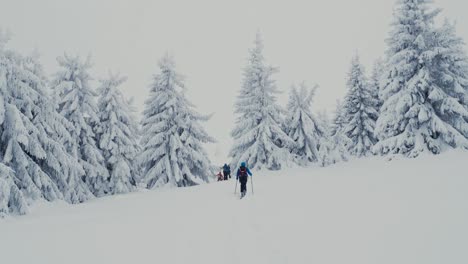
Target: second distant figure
[{"x": 227, "y": 172}]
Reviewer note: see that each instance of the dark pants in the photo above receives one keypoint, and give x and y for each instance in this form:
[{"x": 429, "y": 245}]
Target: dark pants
[
  {"x": 226, "y": 175},
  {"x": 243, "y": 182}
]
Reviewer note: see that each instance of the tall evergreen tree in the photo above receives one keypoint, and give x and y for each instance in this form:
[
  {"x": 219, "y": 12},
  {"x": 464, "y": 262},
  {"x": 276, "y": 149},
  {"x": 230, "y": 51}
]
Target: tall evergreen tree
[
  {"x": 424, "y": 107},
  {"x": 59, "y": 164},
  {"x": 77, "y": 103},
  {"x": 29, "y": 129},
  {"x": 11, "y": 198},
  {"x": 359, "y": 110},
  {"x": 302, "y": 126},
  {"x": 173, "y": 138},
  {"x": 21, "y": 140},
  {"x": 259, "y": 138},
  {"x": 118, "y": 135}
]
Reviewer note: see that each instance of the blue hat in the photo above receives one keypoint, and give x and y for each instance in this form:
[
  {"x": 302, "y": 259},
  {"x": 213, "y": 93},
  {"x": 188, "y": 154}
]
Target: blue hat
[{"x": 243, "y": 164}]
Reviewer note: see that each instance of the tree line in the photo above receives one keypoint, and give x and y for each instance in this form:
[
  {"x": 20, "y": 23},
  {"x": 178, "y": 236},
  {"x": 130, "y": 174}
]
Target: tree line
[{"x": 62, "y": 139}]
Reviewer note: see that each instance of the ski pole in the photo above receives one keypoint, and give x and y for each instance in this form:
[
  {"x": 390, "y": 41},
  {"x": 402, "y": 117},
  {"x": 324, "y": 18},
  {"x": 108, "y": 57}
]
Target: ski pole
[
  {"x": 235, "y": 189},
  {"x": 251, "y": 183}
]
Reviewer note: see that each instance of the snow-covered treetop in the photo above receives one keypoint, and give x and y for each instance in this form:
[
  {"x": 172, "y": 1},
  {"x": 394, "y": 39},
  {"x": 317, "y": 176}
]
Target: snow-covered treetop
[
  {"x": 356, "y": 76},
  {"x": 257, "y": 83},
  {"x": 301, "y": 98},
  {"x": 412, "y": 19},
  {"x": 167, "y": 79},
  {"x": 73, "y": 70},
  {"x": 114, "y": 108},
  {"x": 73, "y": 89},
  {"x": 111, "y": 102},
  {"x": 256, "y": 53}
]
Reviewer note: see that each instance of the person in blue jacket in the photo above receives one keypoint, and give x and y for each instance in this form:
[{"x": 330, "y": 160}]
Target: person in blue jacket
[
  {"x": 227, "y": 172},
  {"x": 242, "y": 176}
]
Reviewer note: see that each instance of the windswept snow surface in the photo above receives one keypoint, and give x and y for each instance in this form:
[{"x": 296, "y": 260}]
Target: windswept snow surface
[{"x": 365, "y": 211}]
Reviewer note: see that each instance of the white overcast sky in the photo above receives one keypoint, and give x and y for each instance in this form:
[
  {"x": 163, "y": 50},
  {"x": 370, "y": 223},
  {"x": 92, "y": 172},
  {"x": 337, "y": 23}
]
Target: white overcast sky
[{"x": 310, "y": 40}]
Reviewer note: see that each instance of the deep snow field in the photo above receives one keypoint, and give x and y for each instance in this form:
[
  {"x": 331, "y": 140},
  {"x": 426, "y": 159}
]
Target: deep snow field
[{"x": 362, "y": 212}]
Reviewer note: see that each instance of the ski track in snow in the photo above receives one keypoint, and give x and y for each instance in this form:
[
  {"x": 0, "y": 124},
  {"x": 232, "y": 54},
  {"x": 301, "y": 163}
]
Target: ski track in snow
[{"x": 365, "y": 211}]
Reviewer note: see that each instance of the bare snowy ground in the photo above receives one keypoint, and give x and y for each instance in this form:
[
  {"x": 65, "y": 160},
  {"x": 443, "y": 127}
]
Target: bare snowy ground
[{"x": 366, "y": 211}]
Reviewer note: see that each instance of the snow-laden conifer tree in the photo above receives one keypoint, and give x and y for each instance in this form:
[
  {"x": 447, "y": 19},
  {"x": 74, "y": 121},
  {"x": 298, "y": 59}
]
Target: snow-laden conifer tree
[
  {"x": 59, "y": 164},
  {"x": 118, "y": 135},
  {"x": 76, "y": 102},
  {"x": 29, "y": 128},
  {"x": 359, "y": 111},
  {"x": 20, "y": 146},
  {"x": 302, "y": 126},
  {"x": 172, "y": 136},
  {"x": 258, "y": 135},
  {"x": 12, "y": 200},
  {"x": 423, "y": 108}
]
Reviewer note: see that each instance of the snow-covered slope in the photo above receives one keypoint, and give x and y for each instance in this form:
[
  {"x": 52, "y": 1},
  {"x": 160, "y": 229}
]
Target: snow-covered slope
[{"x": 366, "y": 211}]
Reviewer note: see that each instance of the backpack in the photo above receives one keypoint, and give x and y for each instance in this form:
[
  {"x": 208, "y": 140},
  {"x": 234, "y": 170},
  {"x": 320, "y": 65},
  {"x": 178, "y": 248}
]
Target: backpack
[{"x": 243, "y": 171}]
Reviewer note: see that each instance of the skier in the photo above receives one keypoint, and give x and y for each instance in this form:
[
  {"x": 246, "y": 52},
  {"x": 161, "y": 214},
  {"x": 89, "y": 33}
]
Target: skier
[
  {"x": 220, "y": 176},
  {"x": 226, "y": 172},
  {"x": 242, "y": 175}
]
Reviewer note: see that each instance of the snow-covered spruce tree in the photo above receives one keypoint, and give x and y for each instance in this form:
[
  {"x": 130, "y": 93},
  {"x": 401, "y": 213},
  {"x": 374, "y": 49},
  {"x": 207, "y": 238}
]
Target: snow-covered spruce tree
[
  {"x": 359, "y": 111},
  {"x": 172, "y": 136},
  {"x": 29, "y": 127},
  {"x": 425, "y": 92},
  {"x": 76, "y": 102},
  {"x": 302, "y": 126},
  {"x": 258, "y": 135},
  {"x": 59, "y": 164},
  {"x": 118, "y": 135},
  {"x": 12, "y": 200}
]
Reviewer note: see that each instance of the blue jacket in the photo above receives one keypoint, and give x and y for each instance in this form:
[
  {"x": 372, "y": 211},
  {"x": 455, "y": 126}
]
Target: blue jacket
[{"x": 239, "y": 172}]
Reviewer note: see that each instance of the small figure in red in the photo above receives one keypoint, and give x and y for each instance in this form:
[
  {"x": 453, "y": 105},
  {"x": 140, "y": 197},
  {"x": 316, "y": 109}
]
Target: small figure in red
[{"x": 220, "y": 176}]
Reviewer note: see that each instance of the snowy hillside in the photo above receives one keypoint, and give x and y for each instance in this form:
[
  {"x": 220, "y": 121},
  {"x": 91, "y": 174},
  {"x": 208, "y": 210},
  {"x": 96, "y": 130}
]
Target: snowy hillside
[{"x": 365, "y": 211}]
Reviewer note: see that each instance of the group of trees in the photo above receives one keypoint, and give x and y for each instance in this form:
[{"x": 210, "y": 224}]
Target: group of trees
[
  {"x": 266, "y": 136},
  {"x": 64, "y": 139},
  {"x": 416, "y": 100}
]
